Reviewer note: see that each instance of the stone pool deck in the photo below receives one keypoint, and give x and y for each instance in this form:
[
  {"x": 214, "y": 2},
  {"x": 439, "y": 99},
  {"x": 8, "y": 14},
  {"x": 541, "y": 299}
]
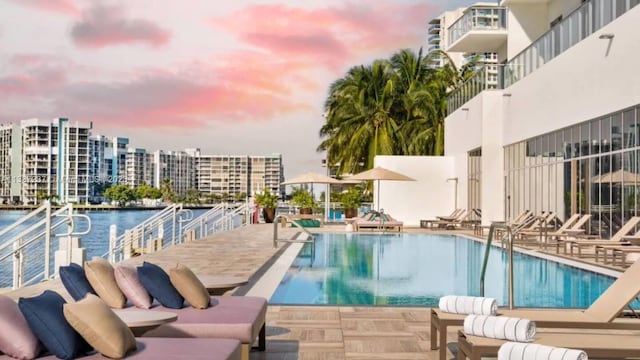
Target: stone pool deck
[{"x": 297, "y": 332}]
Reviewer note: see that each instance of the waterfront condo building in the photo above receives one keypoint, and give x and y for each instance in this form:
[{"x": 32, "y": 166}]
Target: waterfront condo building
[
  {"x": 237, "y": 174},
  {"x": 44, "y": 158},
  {"x": 561, "y": 130},
  {"x": 140, "y": 167},
  {"x": 176, "y": 167}
]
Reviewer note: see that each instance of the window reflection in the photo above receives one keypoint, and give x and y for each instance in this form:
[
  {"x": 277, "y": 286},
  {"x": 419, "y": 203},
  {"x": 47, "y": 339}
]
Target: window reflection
[{"x": 592, "y": 167}]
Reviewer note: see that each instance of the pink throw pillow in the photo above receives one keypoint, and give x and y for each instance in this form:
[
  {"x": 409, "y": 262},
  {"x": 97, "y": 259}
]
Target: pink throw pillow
[
  {"x": 128, "y": 281},
  {"x": 16, "y": 338}
]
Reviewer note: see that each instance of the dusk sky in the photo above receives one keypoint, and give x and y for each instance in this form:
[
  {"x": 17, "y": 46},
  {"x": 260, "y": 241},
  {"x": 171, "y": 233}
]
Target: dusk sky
[{"x": 243, "y": 77}]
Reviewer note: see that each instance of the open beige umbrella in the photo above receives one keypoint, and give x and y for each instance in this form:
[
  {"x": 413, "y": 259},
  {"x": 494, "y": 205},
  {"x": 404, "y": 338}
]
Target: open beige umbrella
[
  {"x": 380, "y": 173},
  {"x": 620, "y": 176},
  {"x": 315, "y": 178}
]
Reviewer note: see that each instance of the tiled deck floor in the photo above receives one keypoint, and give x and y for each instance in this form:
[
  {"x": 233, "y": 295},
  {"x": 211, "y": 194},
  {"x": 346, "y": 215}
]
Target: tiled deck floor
[{"x": 298, "y": 332}]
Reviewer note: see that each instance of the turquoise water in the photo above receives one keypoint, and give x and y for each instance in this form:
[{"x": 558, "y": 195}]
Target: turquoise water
[{"x": 417, "y": 269}]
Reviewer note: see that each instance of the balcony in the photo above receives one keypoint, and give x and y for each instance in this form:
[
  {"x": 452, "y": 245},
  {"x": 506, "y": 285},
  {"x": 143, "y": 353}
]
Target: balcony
[
  {"x": 480, "y": 29},
  {"x": 434, "y": 28},
  {"x": 434, "y": 39},
  {"x": 488, "y": 77},
  {"x": 590, "y": 17}
]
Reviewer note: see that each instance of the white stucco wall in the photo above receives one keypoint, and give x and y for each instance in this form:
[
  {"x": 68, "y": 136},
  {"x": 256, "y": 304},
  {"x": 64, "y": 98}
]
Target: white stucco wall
[
  {"x": 427, "y": 197},
  {"x": 593, "y": 78},
  {"x": 526, "y": 23}
]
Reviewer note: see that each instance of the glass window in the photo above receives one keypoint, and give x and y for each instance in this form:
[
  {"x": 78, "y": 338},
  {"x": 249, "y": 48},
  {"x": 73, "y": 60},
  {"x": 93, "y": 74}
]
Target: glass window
[
  {"x": 575, "y": 140},
  {"x": 567, "y": 143},
  {"x": 595, "y": 136},
  {"x": 616, "y": 132},
  {"x": 629, "y": 129},
  {"x": 605, "y": 134},
  {"x": 585, "y": 137}
]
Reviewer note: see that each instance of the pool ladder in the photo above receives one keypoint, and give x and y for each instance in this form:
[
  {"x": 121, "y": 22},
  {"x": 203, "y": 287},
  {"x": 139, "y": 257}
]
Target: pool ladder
[
  {"x": 509, "y": 234},
  {"x": 277, "y": 220}
]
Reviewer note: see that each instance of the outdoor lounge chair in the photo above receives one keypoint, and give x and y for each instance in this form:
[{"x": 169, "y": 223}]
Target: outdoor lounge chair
[
  {"x": 601, "y": 314},
  {"x": 569, "y": 224},
  {"x": 616, "y": 239},
  {"x": 452, "y": 216},
  {"x": 450, "y": 223},
  {"x": 377, "y": 221},
  {"x": 157, "y": 348},
  {"x": 600, "y": 344}
]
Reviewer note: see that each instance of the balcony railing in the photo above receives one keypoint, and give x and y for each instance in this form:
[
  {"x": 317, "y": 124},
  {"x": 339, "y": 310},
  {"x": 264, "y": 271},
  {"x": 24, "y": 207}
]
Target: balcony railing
[
  {"x": 478, "y": 18},
  {"x": 582, "y": 22},
  {"x": 486, "y": 78}
]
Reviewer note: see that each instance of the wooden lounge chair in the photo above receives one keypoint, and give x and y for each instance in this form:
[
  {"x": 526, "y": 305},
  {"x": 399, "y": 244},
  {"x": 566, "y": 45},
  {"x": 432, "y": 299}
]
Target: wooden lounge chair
[
  {"x": 569, "y": 224},
  {"x": 579, "y": 244},
  {"x": 450, "y": 223},
  {"x": 377, "y": 221},
  {"x": 597, "y": 344},
  {"x": 452, "y": 216},
  {"x": 602, "y": 314}
]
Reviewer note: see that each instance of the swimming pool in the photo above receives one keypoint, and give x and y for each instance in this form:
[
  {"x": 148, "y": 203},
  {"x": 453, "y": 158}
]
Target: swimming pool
[{"x": 417, "y": 269}]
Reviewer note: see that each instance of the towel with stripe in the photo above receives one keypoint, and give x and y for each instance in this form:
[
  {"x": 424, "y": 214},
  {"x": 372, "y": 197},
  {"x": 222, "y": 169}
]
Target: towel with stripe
[
  {"x": 468, "y": 305},
  {"x": 527, "y": 351},
  {"x": 500, "y": 327}
]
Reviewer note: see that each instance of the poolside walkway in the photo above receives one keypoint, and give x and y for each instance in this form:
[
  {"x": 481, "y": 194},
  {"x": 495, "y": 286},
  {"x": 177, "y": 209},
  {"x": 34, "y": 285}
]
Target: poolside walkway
[{"x": 298, "y": 332}]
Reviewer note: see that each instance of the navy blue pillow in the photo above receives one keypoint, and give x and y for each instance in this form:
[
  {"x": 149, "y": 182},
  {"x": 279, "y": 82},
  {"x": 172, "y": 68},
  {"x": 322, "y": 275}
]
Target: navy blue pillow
[
  {"x": 75, "y": 281},
  {"x": 46, "y": 319},
  {"x": 158, "y": 284}
]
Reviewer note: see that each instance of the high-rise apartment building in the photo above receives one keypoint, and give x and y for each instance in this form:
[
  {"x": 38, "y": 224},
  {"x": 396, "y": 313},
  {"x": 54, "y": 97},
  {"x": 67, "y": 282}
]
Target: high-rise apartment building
[
  {"x": 444, "y": 31},
  {"x": 140, "y": 167},
  {"x": 54, "y": 161},
  {"x": 175, "y": 166},
  {"x": 61, "y": 159}
]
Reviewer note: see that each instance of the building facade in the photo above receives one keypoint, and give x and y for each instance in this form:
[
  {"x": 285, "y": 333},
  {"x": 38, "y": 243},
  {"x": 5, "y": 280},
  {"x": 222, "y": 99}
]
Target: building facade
[{"x": 560, "y": 132}]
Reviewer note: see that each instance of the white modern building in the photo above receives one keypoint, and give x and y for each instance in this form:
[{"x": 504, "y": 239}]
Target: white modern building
[
  {"x": 176, "y": 167},
  {"x": 559, "y": 133},
  {"x": 44, "y": 158},
  {"x": 237, "y": 174},
  {"x": 139, "y": 167}
]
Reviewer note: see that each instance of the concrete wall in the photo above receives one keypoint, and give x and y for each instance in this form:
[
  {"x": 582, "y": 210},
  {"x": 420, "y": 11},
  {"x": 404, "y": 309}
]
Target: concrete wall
[
  {"x": 427, "y": 197},
  {"x": 527, "y": 22},
  {"x": 594, "y": 77}
]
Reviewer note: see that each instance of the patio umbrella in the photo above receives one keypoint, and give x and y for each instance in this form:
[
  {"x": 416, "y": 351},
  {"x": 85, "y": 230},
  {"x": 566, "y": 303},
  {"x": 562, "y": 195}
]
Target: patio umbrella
[
  {"x": 315, "y": 178},
  {"x": 620, "y": 176},
  {"x": 380, "y": 173}
]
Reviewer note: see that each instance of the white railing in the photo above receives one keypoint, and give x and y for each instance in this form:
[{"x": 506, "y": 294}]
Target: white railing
[
  {"x": 160, "y": 230},
  {"x": 27, "y": 246},
  {"x": 478, "y": 18},
  {"x": 200, "y": 226},
  {"x": 219, "y": 219}
]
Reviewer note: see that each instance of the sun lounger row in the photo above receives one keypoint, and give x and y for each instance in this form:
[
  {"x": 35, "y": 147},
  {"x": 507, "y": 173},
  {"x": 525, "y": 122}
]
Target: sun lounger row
[
  {"x": 602, "y": 314},
  {"x": 176, "y": 290}
]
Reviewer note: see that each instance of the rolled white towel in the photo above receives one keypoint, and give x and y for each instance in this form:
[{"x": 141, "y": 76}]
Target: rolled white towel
[
  {"x": 500, "y": 327},
  {"x": 468, "y": 305},
  {"x": 527, "y": 351}
]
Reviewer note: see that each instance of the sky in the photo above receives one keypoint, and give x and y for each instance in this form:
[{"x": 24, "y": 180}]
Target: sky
[{"x": 243, "y": 77}]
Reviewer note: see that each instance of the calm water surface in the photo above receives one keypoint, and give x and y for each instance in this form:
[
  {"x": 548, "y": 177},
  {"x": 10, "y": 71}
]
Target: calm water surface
[{"x": 417, "y": 269}]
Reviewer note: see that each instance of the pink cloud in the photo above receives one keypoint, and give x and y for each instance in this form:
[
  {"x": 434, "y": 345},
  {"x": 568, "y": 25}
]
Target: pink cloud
[
  {"x": 107, "y": 25},
  {"x": 67, "y": 7},
  {"x": 331, "y": 36}
]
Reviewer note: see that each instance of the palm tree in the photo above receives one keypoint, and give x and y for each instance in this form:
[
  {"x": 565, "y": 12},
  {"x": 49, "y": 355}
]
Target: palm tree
[
  {"x": 392, "y": 107},
  {"x": 360, "y": 123}
]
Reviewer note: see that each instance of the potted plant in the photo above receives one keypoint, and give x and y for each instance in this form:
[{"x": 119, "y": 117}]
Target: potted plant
[
  {"x": 302, "y": 198},
  {"x": 269, "y": 203},
  {"x": 351, "y": 201}
]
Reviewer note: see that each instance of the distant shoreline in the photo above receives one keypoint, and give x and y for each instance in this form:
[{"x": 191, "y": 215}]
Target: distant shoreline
[{"x": 103, "y": 207}]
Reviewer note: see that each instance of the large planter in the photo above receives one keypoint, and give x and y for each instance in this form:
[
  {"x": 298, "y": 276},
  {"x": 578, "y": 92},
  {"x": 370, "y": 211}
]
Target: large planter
[
  {"x": 268, "y": 214},
  {"x": 306, "y": 211},
  {"x": 350, "y": 213}
]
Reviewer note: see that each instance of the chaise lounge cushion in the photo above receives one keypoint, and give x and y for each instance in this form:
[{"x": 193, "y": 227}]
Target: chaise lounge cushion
[
  {"x": 175, "y": 349},
  {"x": 233, "y": 317},
  {"x": 189, "y": 286},
  {"x": 158, "y": 284},
  {"x": 75, "y": 281},
  {"x": 101, "y": 277},
  {"x": 100, "y": 327},
  {"x": 16, "y": 338},
  {"x": 128, "y": 281},
  {"x": 45, "y": 317}
]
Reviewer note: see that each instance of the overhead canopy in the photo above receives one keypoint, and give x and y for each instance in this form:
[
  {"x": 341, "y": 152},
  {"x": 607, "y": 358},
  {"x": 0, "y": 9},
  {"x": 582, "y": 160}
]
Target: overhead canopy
[
  {"x": 380, "y": 173},
  {"x": 620, "y": 176}
]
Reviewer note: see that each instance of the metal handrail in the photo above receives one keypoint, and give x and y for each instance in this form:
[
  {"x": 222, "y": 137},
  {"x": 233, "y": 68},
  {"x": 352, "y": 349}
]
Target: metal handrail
[
  {"x": 507, "y": 227},
  {"x": 201, "y": 221},
  {"x": 310, "y": 237}
]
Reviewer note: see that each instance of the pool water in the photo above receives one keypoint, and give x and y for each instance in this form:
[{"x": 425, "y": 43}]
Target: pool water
[{"x": 417, "y": 269}]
